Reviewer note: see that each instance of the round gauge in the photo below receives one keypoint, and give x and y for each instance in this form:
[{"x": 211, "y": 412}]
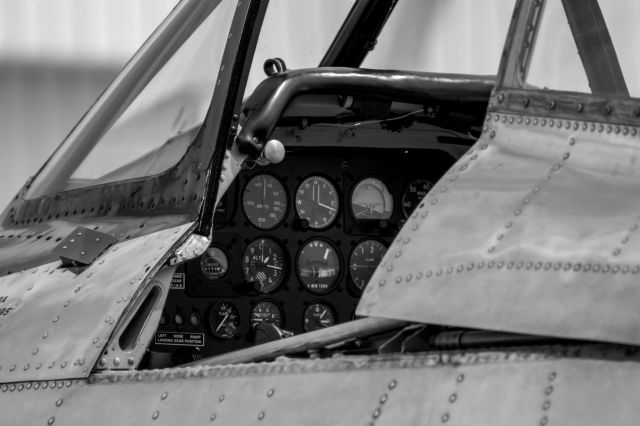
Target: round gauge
[
  {"x": 224, "y": 320},
  {"x": 364, "y": 260},
  {"x": 264, "y": 201},
  {"x": 214, "y": 263},
  {"x": 317, "y": 202},
  {"x": 266, "y": 311},
  {"x": 318, "y": 315},
  {"x": 263, "y": 264},
  {"x": 413, "y": 194},
  {"x": 371, "y": 199},
  {"x": 318, "y": 266}
]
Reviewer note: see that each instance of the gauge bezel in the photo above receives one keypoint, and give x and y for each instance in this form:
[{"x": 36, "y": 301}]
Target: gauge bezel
[
  {"x": 248, "y": 180},
  {"x": 352, "y": 190},
  {"x": 336, "y": 218},
  {"x": 339, "y": 276},
  {"x": 212, "y": 309},
  {"x": 350, "y": 280},
  {"x": 404, "y": 191},
  {"x": 285, "y": 259},
  {"x": 273, "y": 302},
  {"x": 227, "y": 272},
  {"x": 328, "y": 304}
]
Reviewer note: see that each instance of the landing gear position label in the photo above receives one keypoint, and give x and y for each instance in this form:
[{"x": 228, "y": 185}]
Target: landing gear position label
[
  {"x": 179, "y": 339},
  {"x": 177, "y": 281}
]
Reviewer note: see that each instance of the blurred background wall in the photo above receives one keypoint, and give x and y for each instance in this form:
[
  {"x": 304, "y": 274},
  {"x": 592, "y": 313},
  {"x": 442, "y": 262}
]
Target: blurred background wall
[{"x": 56, "y": 57}]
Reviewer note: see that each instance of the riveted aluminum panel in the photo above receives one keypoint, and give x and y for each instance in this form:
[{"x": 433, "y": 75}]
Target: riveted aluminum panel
[
  {"x": 534, "y": 230},
  {"x": 491, "y": 388},
  {"x": 54, "y": 323}
]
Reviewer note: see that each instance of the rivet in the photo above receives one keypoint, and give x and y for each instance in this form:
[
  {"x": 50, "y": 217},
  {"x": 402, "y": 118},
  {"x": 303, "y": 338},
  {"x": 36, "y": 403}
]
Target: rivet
[
  {"x": 510, "y": 120},
  {"x": 439, "y": 272},
  {"x": 565, "y": 156},
  {"x": 510, "y": 265},
  {"x": 13, "y": 367},
  {"x": 376, "y": 413},
  {"x": 56, "y": 319},
  {"x": 579, "y": 107},
  {"x": 155, "y": 415},
  {"x": 212, "y": 417},
  {"x": 445, "y": 418},
  {"x": 261, "y": 415},
  {"x": 596, "y": 268},
  {"x": 608, "y": 109},
  {"x": 35, "y": 351},
  {"x": 519, "y": 120},
  {"x": 383, "y": 398},
  {"x": 548, "y": 390},
  {"x": 38, "y": 366},
  {"x": 525, "y": 102},
  {"x": 392, "y": 384},
  {"x": 572, "y": 141},
  {"x": 551, "y": 104},
  {"x": 543, "y": 421},
  {"x": 58, "y": 402},
  {"x": 546, "y": 405},
  {"x": 409, "y": 277},
  {"x": 527, "y": 121},
  {"x": 221, "y": 397},
  {"x": 51, "y": 420},
  {"x": 116, "y": 361},
  {"x": 500, "y": 97},
  {"x": 4, "y": 388},
  {"x": 381, "y": 283},
  {"x": 26, "y": 367},
  {"x": 543, "y": 122},
  {"x": 131, "y": 361},
  {"x": 616, "y": 252},
  {"x": 270, "y": 393},
  {"x": 500, "y": 264},
  {"x": 389, "y": 268},
  {"x": 635, "y": 269},
  {"x": 481, "y": 264},
  {"x": 64, "y": 364},
  {"x": 492, "y": 134},
  {"x": 452, "y": 398},
  {"x": 496, "y": 117},
  {"x": 164, "y": 396},
  {"x": 508, "y": 225},
  {"x": 449, "y": 269},
  {"x": 567, "y": 266},
  {"x": 547, "y": 266},
  {"x": 66, "y": 304},
  {"x": 12, "y": 388},
  {"x": 460, "y": 268},
  {"x": 429, "y": 273},
  {"x": 605, "y": 269},
  {"x": 20, "y": 387},
  {"x": 460, "y": 378},
  {"x": 625, "y": 269},
  {"x": 51, "y": 364},
  {"x": 398, "y": 280}
]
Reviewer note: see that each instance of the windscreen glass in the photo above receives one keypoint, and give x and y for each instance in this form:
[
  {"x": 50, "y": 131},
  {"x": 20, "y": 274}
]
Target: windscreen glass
[
  {"x": 445, "y": 36},
  {"x": 299, "y": 32},
  {"x": 558, "y": 63},
  {"x": 157, "y": 127}
]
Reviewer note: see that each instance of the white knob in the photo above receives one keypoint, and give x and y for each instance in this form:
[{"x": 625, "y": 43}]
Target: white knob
[{"x": 273, "y": 151}]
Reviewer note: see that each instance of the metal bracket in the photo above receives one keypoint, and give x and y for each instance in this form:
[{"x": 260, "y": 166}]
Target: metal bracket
[{"x": 82, "y": 246}]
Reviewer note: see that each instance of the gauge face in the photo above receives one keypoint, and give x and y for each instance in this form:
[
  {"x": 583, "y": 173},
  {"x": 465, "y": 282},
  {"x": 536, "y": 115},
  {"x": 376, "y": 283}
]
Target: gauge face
[
  {"x": 318, "y": 266},
  {"x": 224, "y": 320},
  {"x": 371, "y": 199},
  {"x": 264, "y": 201},
  {"x": 263, "y": 264},
  {"x": 413, "y": 194},
  {"x": 214, "y": 263},
  {"x": 318, "y": 315},
  {"x": 364, "y": 260},
  {"x": 317, "y": 201},
  {"x": 266, "y": 311}
]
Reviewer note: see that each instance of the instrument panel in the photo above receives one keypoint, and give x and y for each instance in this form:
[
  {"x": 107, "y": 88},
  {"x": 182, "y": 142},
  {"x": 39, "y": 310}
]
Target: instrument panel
[{"x": 294, "y": 245}]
